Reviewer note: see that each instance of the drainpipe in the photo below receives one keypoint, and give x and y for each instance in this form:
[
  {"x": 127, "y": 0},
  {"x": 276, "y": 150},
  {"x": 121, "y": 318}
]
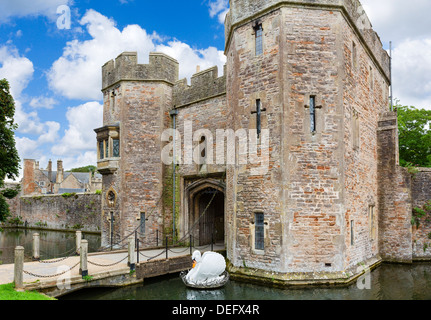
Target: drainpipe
[{"x": 173, "y": 114}]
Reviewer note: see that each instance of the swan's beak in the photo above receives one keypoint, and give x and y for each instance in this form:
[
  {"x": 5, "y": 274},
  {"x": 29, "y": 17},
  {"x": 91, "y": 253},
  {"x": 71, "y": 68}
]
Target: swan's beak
[{"x": 194, "y": 263}]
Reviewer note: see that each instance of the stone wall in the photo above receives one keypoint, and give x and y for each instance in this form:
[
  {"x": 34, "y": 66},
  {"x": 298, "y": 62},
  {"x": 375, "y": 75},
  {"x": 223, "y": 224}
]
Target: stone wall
[
  {"x": 14, "y": 204},
  {"x": 421, "y": 193},
  {"x": 76, "y": 212},
  {"x": 395, "y": 199}
]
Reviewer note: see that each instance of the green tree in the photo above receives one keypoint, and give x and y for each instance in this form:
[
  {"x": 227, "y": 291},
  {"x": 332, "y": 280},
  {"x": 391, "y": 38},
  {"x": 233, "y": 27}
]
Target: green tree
[
  {"x": 89, "y": 168},
  {"x": 9, "y": 159},
  {"x": 414, "y": 136}
]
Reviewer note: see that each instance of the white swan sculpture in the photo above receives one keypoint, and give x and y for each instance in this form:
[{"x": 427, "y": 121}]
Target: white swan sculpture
[{"x": 208, "y": 271}]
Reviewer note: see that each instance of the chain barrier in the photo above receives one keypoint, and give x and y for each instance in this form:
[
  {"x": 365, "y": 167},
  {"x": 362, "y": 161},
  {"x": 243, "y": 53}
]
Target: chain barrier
[
  {"x": 70, "y": 253},
  {"x": 164, "y": 251},
  {"x": 49, "y": 276},
  {"x": 107, "y": 265},
  {"x": 186, "y": 249}
]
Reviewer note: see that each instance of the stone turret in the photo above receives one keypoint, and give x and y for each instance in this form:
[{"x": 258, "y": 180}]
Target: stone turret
[
  {"x": 126, "y": 68},
  {"x": 137, "y": 100}
]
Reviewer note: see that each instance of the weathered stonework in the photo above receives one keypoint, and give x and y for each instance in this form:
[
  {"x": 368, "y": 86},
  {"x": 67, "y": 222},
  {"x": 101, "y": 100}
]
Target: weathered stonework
[
  {"x": 75, "y": 212},
  {"x": 332, "y": 199}
]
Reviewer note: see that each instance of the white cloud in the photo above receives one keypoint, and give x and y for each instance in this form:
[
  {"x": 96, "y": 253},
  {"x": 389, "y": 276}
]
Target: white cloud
[
  {"x": 80, "y": 136},
  {"x": 23, "y": 8},
  {"x": 219, "y": 8},
  {"x": 77, "y": 74},
  {"x": 397, "y": 20},
  {"x": 43, "y": 102},
  {"x": 409, "y": 28},
  {"x": 189, "y": 58},
  {"x": 411, "y": 73},
  {"x": 16, "y": 69}
]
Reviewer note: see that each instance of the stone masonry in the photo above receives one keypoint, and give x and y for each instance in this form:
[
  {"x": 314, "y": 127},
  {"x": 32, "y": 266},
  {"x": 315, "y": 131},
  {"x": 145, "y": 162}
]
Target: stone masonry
[{"x": 331, "y": 197}]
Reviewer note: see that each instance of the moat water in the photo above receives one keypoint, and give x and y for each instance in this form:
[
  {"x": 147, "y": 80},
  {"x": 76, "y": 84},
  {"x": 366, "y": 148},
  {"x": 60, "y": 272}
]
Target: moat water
[
  {"x": 53, "y": 244},
  {"x": 387, "y": 282}
]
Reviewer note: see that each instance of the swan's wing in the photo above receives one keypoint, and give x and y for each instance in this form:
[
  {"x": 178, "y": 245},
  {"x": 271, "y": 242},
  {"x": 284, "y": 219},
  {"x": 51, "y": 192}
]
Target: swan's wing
[{"x": 212, "y": 265}]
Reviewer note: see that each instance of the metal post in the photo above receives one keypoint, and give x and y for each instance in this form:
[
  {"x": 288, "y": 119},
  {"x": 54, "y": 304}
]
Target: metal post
[
  {"x": 173, "y": 113},
  {"x": 212, "y": 241},
  {"x": 137, "y": 247},
  {"x": 78, "y": 239},
  {"x": 83, "y": 270},
  {"x": 36, "y": 246},
  {"x": 131, "y": 262},
  {"x": 112, "y": 229},
  {"x": 19, "y": 269},
  {"x": 166, "y": 247}
]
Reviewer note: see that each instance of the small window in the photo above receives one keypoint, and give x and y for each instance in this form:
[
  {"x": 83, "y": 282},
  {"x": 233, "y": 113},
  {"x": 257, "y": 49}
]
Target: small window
[
  {"x": 355, "y": 130},
  {"x": 116, "y": 148},
  {"x": 371, "y": 224},
  {"x": 259, "y": 39},
  {"x": 371, "y": 79},
  {"x": 313, "y": 113},
  {"x": 354, "y": 55},
  {"x": 101, "y": 150},
  {"x": 352, "y": 236},
  {"x": 106, "y": 148},
  {"x": 142, "y": 225},
  {"x": 259, "y": 231}
]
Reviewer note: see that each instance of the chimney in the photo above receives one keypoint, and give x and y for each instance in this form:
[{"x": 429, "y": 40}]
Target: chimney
[
  {"x": 198, "y": 69},
  {"x": 60, "y": 172},
  {"x": 49, "y": 170},
  {"x": 28, "y": 184}
]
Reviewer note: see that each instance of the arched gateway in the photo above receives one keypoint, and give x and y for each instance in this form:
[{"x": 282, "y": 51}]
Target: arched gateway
[{"x": 204, "y": 211}]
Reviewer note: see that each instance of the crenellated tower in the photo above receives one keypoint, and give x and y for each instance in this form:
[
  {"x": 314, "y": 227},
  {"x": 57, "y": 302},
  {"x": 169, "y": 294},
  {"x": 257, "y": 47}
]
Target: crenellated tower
[{"x": 137, "y": 100}]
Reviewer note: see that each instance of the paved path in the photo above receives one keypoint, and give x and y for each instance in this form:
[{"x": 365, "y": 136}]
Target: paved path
[{"x": 98, "y": 263}]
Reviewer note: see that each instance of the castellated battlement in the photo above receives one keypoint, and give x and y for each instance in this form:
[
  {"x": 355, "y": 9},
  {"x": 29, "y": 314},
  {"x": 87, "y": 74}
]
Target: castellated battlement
[
  {"x": 125, "y": 67},
  {"x": 245, "y": 11},
  {"x": 204, "y": 84}
]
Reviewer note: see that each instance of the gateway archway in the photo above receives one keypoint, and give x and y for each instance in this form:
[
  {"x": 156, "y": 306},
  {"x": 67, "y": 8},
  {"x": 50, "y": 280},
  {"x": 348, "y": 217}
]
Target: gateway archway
[{"x": 204, "y": 216}]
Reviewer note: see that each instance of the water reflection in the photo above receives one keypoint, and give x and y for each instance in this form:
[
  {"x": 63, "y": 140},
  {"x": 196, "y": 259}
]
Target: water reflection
[
  {"x": 53, "y": 244},
  {"x": 388, "y": 282}
]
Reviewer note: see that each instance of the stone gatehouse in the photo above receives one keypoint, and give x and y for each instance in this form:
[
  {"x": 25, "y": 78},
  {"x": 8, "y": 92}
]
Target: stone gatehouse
[{"x": 310, "y": 190}]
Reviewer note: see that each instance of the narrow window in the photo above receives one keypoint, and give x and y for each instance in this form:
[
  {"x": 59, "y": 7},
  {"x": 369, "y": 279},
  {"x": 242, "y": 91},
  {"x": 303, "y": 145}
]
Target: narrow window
[
  {"x": 106, "y": 148},
  {"x": 354, "y": 53},
  {"x": 371, "y": 79},
  {"x": 355, "y": 130},
  {"x": 258, "y": 39},
  {"x": 116, "y": 148},
  {"x": 112, "y": 101},
  {"x": 259, "y": 231},
  {"x": 313, "y": 113},
  {"x": 101, "y": 150},
  {"x": 142, "y": 225},
  {"x": 371, "y": 222},
  {"x": 352, "y": 236}
]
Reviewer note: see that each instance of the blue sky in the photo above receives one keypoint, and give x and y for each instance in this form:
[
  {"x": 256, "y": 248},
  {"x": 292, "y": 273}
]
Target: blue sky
[{"x": 55, "y": 74}]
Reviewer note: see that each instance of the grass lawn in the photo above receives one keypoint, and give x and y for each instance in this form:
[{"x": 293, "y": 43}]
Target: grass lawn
[{"x": 7, "y": 292}]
